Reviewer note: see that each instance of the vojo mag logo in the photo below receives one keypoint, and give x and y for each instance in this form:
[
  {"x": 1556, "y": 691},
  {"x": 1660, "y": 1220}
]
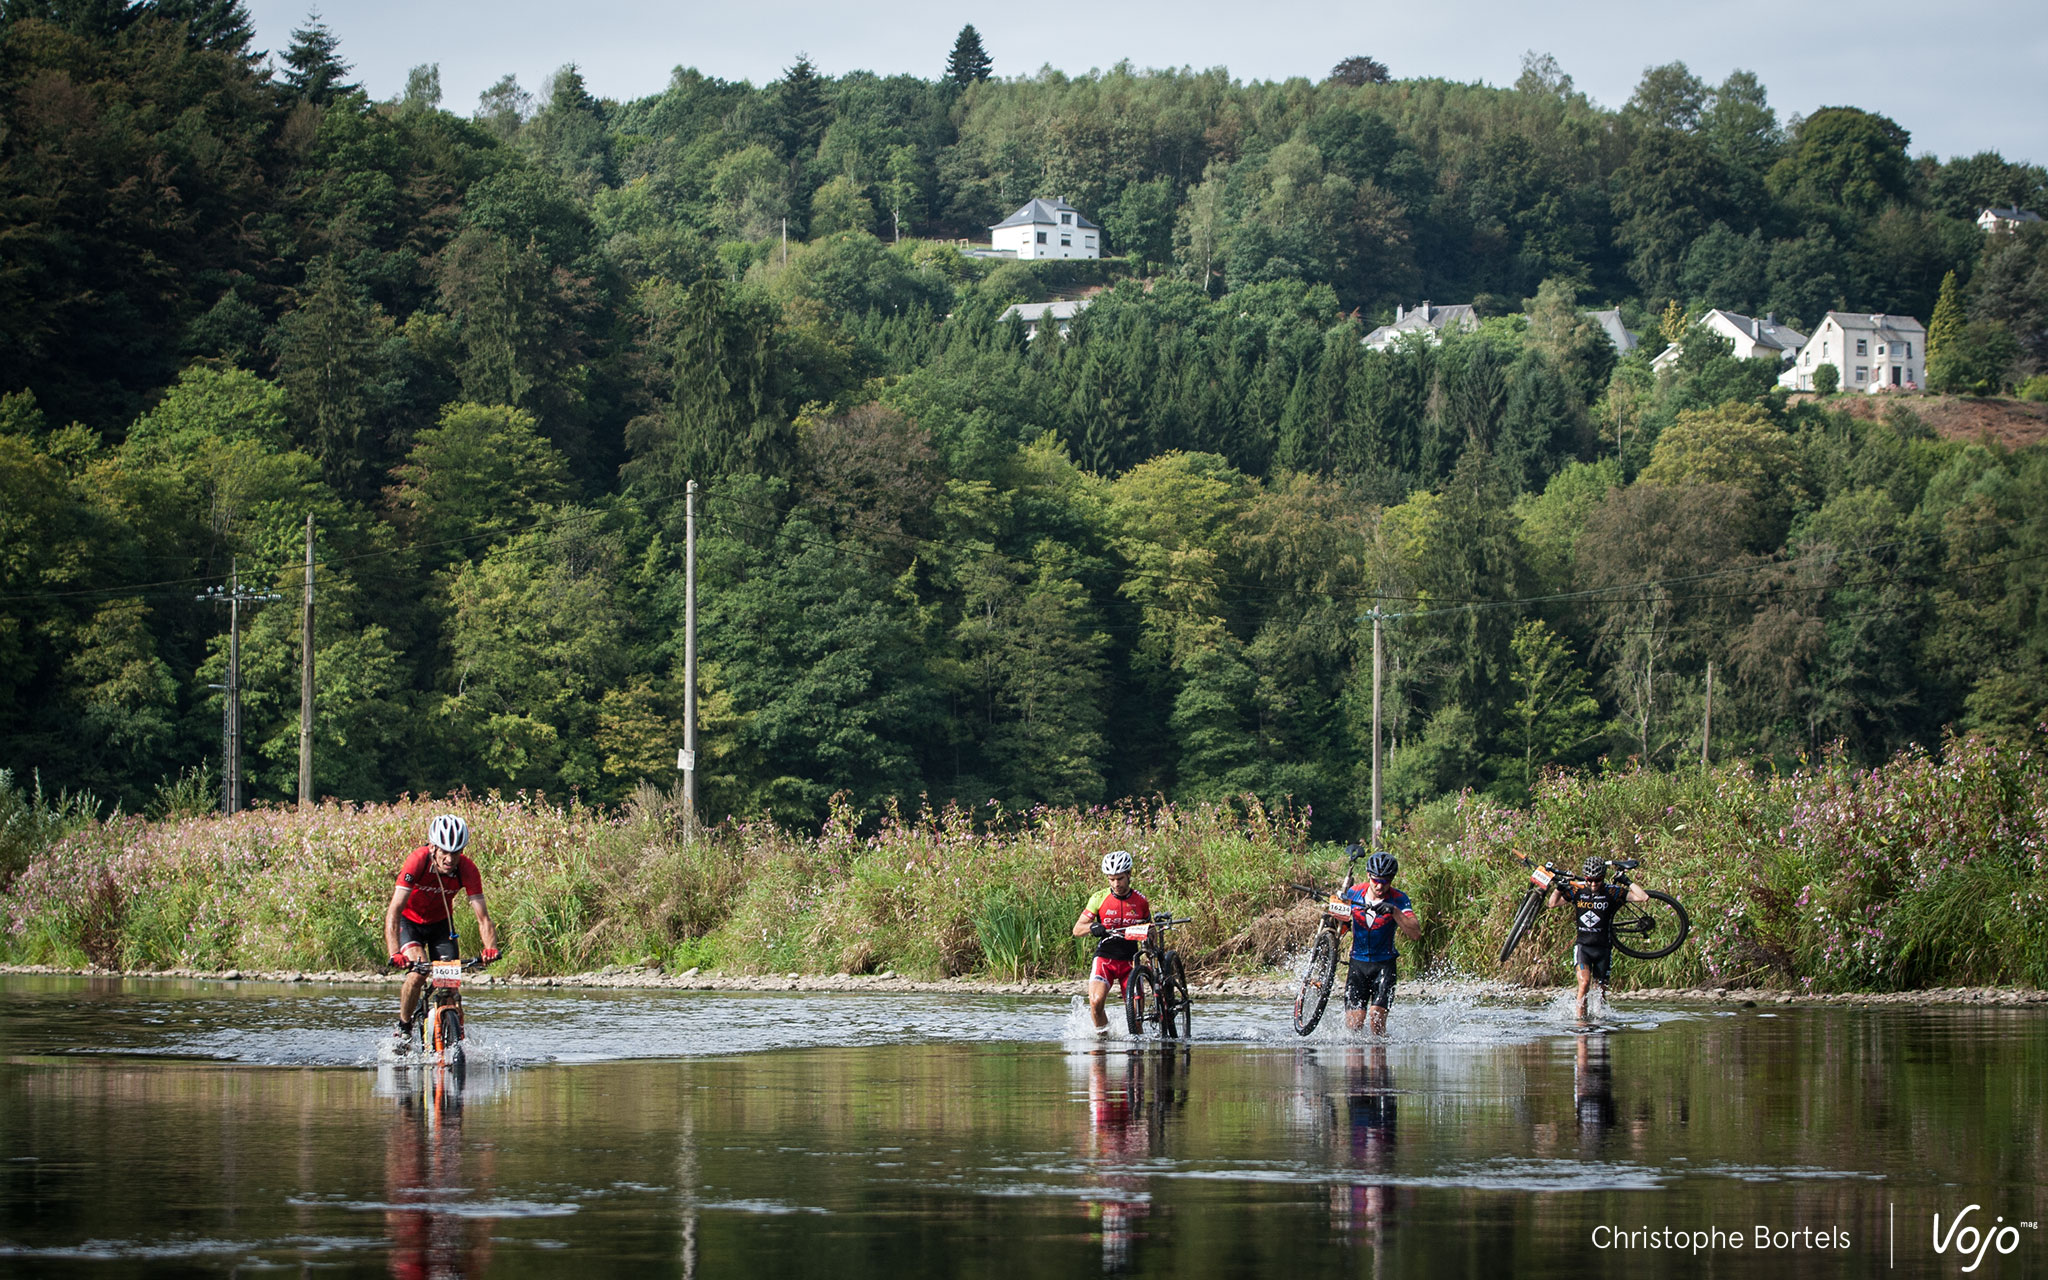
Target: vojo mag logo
[{"x": 1978, "y": 1239}]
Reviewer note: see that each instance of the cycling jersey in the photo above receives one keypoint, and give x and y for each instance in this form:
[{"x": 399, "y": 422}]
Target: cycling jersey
[
  {"x": 1375, "y": 941},
  {"x": 430, "y": 892},
  {"x": 1593, "y": 908},
  {"x": 1116, "y": 913}
]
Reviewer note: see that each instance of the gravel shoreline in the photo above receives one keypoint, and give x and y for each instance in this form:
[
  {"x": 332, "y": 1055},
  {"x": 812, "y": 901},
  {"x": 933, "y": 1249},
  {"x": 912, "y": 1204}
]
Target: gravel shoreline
[{"x": 640, "y": 977}]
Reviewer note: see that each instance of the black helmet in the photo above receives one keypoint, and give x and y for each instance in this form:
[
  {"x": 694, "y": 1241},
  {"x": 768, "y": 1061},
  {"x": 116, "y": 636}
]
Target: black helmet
[
  {"x": 1382, "y": 866},
  {"x": 1595, "y": 869}
]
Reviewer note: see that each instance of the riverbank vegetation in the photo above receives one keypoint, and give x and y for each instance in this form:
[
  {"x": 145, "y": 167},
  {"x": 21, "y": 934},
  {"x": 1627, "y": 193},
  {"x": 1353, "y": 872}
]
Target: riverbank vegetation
[{"x": 1924, "y": 871}]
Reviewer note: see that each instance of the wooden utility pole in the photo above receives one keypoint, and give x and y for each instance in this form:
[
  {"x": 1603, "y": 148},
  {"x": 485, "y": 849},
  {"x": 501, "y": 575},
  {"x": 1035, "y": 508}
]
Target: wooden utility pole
[
  {"x": 231, "y": 715},
  {"x": 306, "y": 678},
  {"x": 688, "y": 760},
  {"x": 1376, "y": 616},
  {"x": 1707, "y": 719}
]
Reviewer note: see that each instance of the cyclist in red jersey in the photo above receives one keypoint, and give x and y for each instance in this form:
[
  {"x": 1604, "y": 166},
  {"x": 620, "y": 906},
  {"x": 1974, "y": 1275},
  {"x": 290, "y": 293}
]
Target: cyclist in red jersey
[
  {"x": 417, "y": 921},
  {"x": 1110, "y": 910}
]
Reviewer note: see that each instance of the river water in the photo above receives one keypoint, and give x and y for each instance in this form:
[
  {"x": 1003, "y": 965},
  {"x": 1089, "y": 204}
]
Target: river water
[{"x": 168, "y": 1127}]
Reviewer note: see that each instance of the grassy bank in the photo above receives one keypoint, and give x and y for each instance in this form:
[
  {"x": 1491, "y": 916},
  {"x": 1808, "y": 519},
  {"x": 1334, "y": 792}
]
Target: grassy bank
[{"x": 1926, "y": 871}]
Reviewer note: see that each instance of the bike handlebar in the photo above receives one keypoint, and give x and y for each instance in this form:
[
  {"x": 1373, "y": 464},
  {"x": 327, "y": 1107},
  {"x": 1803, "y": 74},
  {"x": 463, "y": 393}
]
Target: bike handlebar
[{"x": 427, "y": 966}]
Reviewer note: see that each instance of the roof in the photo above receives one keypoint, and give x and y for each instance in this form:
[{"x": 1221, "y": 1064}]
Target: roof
[
  {"x": 1766, "y": 332},
  {"x": 1424, "y": 319},
  {"x": 1861, "y": 320},
  {"x": 1032, "y": 312},
  {"x": 2010, "y": 215},
  {"x": 1039, "y": 211},
  {"x": 1623, "y": 338}
]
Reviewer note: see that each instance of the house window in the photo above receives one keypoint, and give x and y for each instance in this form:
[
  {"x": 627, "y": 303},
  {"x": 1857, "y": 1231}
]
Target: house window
[
  {"x": 1862, "y": 373},
  {"x": 1860, "y": 347},
  {"x": 1909, "y": 351},
  {"x": 1067, "y": 242},
  {"x": 1041, "y": 237},
  {"x": 1823, "y": 350},
  {"x": 1880, "y": 348},
  {"x": 1066, "y": 219}
]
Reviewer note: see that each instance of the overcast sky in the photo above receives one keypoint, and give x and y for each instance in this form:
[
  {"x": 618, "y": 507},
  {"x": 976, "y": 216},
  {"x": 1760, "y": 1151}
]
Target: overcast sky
[{"x": 1961, "y": 78}]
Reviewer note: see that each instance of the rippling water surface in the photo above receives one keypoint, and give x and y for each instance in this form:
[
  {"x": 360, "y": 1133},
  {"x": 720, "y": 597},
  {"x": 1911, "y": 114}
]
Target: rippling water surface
[{"x": 183, "y": 1127}]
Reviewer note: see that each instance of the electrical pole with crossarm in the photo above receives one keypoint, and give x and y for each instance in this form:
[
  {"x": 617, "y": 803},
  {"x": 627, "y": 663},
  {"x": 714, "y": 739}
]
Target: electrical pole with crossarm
[{"x": 234, "y": 597}]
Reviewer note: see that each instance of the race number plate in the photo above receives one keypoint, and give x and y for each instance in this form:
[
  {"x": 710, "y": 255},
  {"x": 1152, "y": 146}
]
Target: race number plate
[
  {"x": 1338, "y": 908},
  {"x": 1541, "y": 877},
  {"x": 1136, "y": 932},
  {"x": 447, "y": 973}
]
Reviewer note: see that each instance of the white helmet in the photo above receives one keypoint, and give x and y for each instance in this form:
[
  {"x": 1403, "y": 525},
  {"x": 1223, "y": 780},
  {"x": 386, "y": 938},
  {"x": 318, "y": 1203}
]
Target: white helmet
[
  {"x": 1116, "y": 863},
  {"x": 448, "y": 832}
]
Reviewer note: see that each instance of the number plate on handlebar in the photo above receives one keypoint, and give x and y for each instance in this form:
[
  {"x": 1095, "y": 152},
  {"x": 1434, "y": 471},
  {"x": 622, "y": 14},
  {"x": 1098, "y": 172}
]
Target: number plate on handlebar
[
  {"x": 1136, "y": 932},
  {"x": 447, "y": 973},
  {"x": 1338, "y": 907},
  {"x": 1541, "y": 877}
]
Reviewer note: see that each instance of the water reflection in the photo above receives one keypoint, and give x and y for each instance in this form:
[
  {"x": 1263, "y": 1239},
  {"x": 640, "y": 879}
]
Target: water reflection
[
  {"x": 423, "y": 1174},
  {"x": 1363, "y": 1208},
  {"x": 1593, "y": 1093},
  {"x": 1135, "y": 1100}
]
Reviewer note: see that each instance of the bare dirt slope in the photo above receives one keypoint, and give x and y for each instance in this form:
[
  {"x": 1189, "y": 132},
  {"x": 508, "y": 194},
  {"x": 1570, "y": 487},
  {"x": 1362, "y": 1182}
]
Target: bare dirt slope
[{"x": 2015, "y": 424}]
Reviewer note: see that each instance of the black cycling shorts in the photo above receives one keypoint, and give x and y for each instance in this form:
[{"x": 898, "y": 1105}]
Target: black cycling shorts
[
  {"x": 438, "y": 937},
  {"x": 1371, "y": 982},
  {"x": 1598, "y": 960}
]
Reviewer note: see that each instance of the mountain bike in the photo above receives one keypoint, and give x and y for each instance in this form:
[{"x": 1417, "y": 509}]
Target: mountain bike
[
  {"x": 439, "y": 1018},
  {"x": 1321, "y": 972},
  {"x": 1645, "y": 930},
  {"x": 1156, "y": 993}
]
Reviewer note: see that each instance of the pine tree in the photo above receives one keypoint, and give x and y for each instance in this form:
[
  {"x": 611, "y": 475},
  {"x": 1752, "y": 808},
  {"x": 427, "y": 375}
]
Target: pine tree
[
  {"x": 969, "y": 62},
  {"x": 801, "y": 109},
  {"x": 316, "y": 72},
  {"x": 1947, "y": 325},
  {"x": 222, "y": 25}
]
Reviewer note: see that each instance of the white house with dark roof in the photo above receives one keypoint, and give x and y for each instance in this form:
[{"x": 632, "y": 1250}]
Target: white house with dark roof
[
  {"x": 1047, "y": 229},
  {"x": 1432, "y": 322},
  {"x": 1059, "y": 316},
  {"x": 1754, "y": 339},
  {"x": 2005, "y": 219},
  {"x": 1870, "y": 352}
]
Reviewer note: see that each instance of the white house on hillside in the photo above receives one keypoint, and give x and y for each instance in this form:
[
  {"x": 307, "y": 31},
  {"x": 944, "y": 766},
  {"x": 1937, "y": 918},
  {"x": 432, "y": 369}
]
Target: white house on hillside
[
  {"x": 2005, "y": 219},
  {"x": 1754, "y": 339},
  {"x": 1036, "y": 315},
  {"x": 1425, "y": 319},
  {"x": 1871, "y": 353},
  {"x": 1047, "y": 229}
]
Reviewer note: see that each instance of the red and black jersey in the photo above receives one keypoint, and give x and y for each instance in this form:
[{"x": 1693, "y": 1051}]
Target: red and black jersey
[
  {"x": 430, "y": 894},
  {"x": 1115, "y": 913}
]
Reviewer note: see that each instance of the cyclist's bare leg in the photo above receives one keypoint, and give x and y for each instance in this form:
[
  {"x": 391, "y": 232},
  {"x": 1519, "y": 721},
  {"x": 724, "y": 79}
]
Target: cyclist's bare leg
[
  {"x": 1585, "y": 981},
  {"x": 1379, "y": 1019},
  {"x": 1098, "y": 991},
  {"x": 1354, "y": 1019},
  {"x": 414, "y": 985}
]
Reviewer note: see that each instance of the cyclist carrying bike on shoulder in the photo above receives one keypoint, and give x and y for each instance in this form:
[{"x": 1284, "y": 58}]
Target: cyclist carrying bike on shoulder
[
  {"x": 1594, "y": 901},
  {"x": 1108, "y": 912},
  {"x": 1379, "y": 911},
  {"x": 417, "y": 919}
]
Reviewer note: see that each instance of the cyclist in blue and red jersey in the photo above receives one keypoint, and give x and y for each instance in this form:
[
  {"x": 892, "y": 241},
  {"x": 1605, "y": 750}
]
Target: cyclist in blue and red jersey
[
  {"x": 1109, "y": 911},
  {"x": 417, "y": 920},
  {"x": 1378, "y": 912}
]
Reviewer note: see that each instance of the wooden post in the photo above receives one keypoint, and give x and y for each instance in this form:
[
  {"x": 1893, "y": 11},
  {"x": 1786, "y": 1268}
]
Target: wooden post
[
  {"x": 306, "y": 679},
  {"x": 234, "y": 743},
  {"x": 1707, "y": 720},
  {"x": 1375, "y": 728},
  {"x": 689, "y": 759}
]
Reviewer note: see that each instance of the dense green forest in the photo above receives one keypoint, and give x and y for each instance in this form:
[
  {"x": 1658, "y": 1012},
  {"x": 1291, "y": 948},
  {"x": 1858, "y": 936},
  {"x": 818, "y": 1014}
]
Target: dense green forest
[{"x": 487, "y": 352}]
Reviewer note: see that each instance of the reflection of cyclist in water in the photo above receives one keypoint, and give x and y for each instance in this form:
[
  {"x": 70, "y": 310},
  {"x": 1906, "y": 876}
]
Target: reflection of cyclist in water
[
  {"x": 1593, "y": 1091},
  {"x": 1119, "y": 1137},
  {"x": 422, "y": 1166},
  {"x": 1374, "y": 1114},
  {"x": 1594, "y": 903}
]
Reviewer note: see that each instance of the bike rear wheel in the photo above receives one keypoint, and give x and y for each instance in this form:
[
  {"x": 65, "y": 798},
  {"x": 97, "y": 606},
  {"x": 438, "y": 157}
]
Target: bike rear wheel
[
  {"x": 1141, "y": 1001},
  {"x": 1315, "y": 982},
  {"x": 1647, "y": 930},
  {"x": 1525, "y": 916}
]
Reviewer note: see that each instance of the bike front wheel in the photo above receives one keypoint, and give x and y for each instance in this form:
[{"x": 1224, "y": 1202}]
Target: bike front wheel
[
  {"x": 1525, "y": 916},
  {"x": 1315, "y": 982},
  {"x": 1141, "y": 1001},
  {"x": 1181, "y": 1023},
  {"x": 1647, "y": 930},
  {"x": 444, "y": 1033}
]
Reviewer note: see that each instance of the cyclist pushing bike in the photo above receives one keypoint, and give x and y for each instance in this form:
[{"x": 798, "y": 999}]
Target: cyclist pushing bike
[
  {"x": 1379, "y": 911},
  {"x": 1114, "y": 908},
  {"x": 1594, "y": 903},
  {"x": 417, "y": 920}
]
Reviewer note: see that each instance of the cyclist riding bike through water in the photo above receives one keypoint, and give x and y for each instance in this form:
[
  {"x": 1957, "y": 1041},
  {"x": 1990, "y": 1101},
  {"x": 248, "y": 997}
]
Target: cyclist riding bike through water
[
  {"x": 1109, "y": 911},
  {"x": 1594, "y": 901},
  {"x": 1378, "y": 912},
  {"x": 417, "y": 922}
]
